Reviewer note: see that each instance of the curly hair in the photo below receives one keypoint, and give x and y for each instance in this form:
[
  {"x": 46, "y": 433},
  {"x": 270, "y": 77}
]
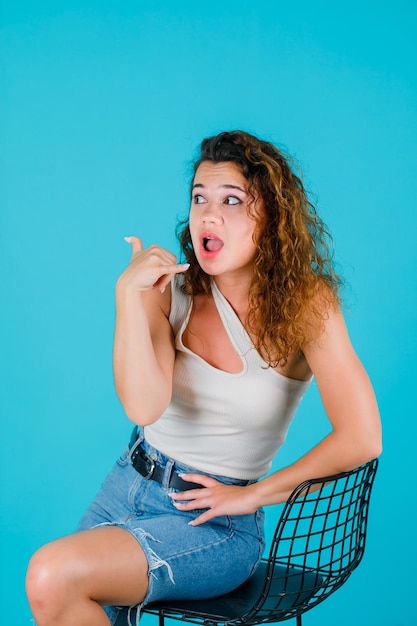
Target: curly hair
[{"x": 293, "y": 268}]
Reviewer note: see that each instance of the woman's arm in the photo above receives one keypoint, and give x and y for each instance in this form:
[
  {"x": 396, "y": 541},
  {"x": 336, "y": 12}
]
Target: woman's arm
[
  {"x": 143, "y": 355},
  {"x": 349, "y": 401}
]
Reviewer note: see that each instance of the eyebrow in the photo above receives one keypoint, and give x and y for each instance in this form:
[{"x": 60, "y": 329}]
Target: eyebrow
[{"x": 227, "y": 186}]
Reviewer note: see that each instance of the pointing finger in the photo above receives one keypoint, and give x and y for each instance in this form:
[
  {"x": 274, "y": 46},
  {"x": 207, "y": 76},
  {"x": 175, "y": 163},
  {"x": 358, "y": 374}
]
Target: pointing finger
[
  {"x": 164, "y": 280},
  {"x": 136, "y": 244}
]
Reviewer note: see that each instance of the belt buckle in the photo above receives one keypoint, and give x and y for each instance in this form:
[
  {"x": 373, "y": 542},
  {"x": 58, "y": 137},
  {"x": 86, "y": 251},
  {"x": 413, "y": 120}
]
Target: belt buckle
[{"x": 151, "y": 462}]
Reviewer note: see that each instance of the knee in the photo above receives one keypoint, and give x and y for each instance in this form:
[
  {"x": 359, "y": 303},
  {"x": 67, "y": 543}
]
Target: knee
[{"x": 45, "y": 579}]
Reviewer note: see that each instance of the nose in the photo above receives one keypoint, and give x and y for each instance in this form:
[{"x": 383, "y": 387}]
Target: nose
[{"x": 212, "y": 214}]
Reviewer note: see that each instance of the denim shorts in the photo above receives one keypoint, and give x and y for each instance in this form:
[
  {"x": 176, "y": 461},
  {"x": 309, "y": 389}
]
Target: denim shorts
[{"x": 185, "y": 562}]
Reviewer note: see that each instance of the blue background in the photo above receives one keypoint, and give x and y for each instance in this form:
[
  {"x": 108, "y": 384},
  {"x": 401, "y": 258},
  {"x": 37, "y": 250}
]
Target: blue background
[{"x": 102, "y": 107}]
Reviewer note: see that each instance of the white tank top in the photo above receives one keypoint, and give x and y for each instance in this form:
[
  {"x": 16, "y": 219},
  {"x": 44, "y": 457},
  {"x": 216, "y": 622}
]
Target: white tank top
[{"x": 218, "y": 422}]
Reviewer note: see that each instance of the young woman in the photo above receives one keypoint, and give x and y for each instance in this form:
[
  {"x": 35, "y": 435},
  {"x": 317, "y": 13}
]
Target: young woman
[{"x": 211, "y": 359}]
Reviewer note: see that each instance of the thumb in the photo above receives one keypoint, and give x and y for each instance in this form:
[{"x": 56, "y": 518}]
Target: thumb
[{"x": 136, "y": 244}]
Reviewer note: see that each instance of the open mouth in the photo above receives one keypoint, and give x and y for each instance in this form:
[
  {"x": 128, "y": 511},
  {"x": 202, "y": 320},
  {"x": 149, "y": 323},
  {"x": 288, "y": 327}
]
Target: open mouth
[{"x": 211, "y": 243}]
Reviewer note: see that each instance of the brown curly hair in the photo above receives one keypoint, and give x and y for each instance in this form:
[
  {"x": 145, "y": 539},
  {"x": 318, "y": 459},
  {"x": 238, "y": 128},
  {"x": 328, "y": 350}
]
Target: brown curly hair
[{"x": 293, "y": 272}]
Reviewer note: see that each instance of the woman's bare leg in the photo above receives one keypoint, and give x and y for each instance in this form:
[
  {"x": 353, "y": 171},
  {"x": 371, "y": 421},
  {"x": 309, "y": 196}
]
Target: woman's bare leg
[{"x": 69, "y": 579}]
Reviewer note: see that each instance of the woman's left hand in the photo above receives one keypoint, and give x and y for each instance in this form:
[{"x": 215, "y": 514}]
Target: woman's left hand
[{"x": 216, "y": 497}]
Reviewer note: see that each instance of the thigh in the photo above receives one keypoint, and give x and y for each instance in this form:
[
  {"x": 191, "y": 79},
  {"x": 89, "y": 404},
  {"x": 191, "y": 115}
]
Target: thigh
[
  {"x": 193, "y": 561},
  {"x": 203, "y": 561},
  {"x": 105, "y": 564}
]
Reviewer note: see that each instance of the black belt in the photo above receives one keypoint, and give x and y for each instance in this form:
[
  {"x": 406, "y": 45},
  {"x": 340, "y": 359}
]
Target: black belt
[{"x": 147, "y": 467}]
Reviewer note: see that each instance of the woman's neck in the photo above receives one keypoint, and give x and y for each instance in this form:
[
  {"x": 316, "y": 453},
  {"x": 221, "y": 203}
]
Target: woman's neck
[{"x": 236, "y": 293}]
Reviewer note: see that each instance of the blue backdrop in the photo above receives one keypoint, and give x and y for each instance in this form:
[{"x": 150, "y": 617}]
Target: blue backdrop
[{"x": 102, "y": 107}]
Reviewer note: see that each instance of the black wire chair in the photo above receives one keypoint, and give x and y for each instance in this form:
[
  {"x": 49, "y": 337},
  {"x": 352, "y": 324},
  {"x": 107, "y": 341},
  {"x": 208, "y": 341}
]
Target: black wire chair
[{"x": 318, "y": 542}]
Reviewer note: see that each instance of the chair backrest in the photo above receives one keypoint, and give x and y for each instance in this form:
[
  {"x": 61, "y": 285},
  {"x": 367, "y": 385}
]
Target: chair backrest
[{"x": 319, "y": 540}]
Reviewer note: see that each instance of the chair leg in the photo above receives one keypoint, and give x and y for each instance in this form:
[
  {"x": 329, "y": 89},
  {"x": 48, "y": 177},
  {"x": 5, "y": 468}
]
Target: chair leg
[
  {"x": 161, "y": 618},
  {"x": 299, "y": 620}
]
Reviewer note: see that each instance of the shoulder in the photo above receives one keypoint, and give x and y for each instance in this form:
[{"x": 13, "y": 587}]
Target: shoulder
[
  {"x": 318, "y": 312},
  {"x": 324, "y": 322},
  {"x": 345, "y": 388},
  {"x": 157, "y": 302},
  {"x": 329, "y": 350},
  {"x": 327, "y": 346},
  {"x": 179, "y": 302}
]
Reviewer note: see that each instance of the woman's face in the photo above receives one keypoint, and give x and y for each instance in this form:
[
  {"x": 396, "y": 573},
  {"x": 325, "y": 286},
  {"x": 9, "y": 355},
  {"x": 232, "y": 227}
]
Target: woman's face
[{"x": 221, "y": 226}]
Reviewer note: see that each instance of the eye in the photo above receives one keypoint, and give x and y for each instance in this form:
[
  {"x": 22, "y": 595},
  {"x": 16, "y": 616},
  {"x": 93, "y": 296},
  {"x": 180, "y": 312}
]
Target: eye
[
  {"x": 197, "y": 199},
  {"x": 232, "y": 200}
]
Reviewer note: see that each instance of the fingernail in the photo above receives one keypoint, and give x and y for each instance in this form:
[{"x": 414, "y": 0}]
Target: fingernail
[
  {"x": 128, "y": 239},
  {"x": 162, "y": 290}
]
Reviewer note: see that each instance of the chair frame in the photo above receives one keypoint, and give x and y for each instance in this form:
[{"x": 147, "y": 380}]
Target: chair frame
[{"x": 318, "y": 542}]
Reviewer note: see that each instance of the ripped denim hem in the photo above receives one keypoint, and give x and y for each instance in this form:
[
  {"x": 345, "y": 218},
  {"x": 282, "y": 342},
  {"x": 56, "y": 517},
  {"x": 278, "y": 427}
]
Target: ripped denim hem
[
  {"x": 154, "y": 563},
  {"x": 127, "y": 614}
]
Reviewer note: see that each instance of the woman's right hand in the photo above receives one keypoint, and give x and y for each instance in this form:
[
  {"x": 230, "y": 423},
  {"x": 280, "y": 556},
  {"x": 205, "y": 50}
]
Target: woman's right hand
[
  {"x": 150, "y": 268},
  {"x": 144, "y": 351}
]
